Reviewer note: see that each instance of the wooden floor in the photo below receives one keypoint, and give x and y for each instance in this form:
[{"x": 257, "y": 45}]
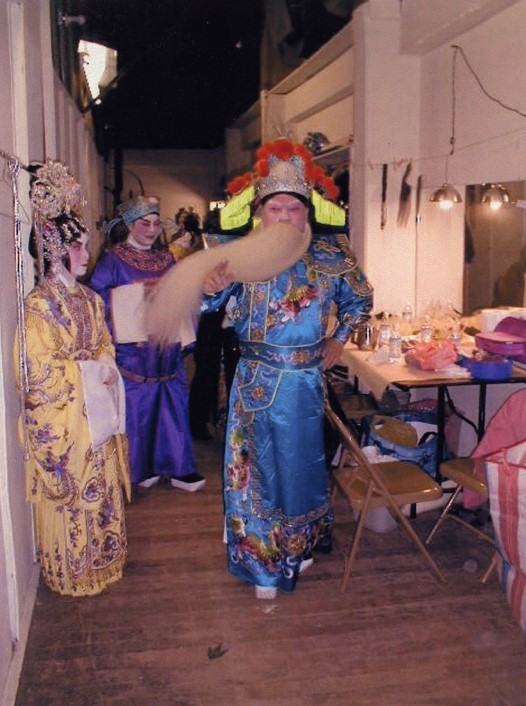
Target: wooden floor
[{"x": 396, "y": 637}]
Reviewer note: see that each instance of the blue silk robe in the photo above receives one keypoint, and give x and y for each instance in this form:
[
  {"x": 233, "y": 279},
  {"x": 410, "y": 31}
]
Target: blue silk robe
[
  {"x": 157, "y": 421},
  {"x": 275, "y": 474}
]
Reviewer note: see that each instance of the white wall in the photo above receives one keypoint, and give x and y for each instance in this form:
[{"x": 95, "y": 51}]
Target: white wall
[
  {"x": 386, "y": 79},
  {"x": 403, "y": 111},
  {"x": 16, "y": 545},
  {"x": 180, "y": 178},
  {"x": 37, "y": 120},
  {"x": 387, "y": 103}
]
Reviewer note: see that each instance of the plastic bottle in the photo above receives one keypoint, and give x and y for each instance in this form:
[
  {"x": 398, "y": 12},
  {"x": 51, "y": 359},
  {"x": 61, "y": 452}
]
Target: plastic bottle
[
  {"x": 384, "y": 333},
  {"x": 426, "y": 330},
  {"x": 407, "y": 313},
  {"x": 395, "y": 345},
  {"x": 406, "y": 327}
]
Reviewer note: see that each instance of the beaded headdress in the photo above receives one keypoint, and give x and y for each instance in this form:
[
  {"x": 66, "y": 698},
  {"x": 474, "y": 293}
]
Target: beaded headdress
[
  {"x": 138, "y": 207},
  {"x": 132, "y": 210},
  {"x": 282, "y": 167},
  {"x": 56, "y": 198}
]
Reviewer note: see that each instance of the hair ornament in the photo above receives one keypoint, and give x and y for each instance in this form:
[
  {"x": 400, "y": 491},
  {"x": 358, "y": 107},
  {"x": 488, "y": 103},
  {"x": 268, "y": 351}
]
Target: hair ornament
[
  {"x": 56, "y": 199},
  {"x": 54, "y": 190}
]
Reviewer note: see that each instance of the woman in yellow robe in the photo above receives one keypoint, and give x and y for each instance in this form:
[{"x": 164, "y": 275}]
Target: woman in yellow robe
[{"x": 75, "y": 451}]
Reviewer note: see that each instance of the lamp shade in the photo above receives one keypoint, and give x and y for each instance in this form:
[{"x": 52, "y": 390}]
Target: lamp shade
[
  {"x": 496, "y": 196},
  {"x": 446, "y": 196}
]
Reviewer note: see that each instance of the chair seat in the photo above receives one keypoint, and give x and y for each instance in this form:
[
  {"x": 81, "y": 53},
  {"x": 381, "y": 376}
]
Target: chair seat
[
  {"x": 462, "y": 471},
  {"x": 404, "y": 480},
  {"x": 357, "y": 406}
]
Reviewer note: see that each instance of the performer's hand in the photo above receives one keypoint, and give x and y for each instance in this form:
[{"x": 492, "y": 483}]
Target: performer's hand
[
  {"x": 149, "y": 286},
  {"x": 110, "y": 375},
  {"x": 218, "y": 278},
  {"x": 184, "y": 241},
  {"x": 332, "y": 350}
]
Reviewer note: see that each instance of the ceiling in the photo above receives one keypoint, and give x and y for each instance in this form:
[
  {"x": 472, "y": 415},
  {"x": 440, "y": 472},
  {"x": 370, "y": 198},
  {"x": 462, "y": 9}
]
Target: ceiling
[{"x": 187, "y": 68}]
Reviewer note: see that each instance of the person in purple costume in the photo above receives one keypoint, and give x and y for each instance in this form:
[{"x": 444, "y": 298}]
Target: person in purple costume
[{"x": 157, "y": 420}]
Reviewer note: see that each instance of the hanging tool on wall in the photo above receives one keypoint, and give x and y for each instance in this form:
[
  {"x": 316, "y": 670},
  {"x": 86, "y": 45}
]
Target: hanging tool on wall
[
  {"x": 404, "y": 202},
  {"x": 418, "y": 217},
  {"x": 383, "y": 213}
]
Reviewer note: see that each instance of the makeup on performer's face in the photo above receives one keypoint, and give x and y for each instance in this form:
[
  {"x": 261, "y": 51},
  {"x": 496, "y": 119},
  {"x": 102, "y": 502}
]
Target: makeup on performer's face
[
  {"x": 146, "y": 230},
  {"x": 79, "y": 256}
]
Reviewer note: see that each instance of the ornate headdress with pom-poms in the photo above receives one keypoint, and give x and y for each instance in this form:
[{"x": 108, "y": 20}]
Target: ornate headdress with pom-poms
[{"x": 282, "y": 167}]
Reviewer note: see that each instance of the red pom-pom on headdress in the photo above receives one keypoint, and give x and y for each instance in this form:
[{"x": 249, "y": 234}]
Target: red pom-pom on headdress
[
  {"x": 236, "y": 185},
  {"x": 329, "y": 187},
  {"x": 304, "y": 153},
  {"x": 283, "y": 149},
  {"x": 262, "y": 168},
  {"x": 264, "y": 151}
]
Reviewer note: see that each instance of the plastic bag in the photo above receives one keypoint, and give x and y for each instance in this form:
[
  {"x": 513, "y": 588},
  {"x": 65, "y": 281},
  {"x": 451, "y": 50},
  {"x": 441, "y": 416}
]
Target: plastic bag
[
  {"x": 417, "y": 443},
  {"x": 432, "y": 356}
]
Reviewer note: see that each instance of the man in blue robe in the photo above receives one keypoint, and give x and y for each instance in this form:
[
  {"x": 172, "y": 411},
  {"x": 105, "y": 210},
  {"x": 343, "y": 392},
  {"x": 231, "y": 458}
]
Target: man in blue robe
[{"x": 276, "y": 498}]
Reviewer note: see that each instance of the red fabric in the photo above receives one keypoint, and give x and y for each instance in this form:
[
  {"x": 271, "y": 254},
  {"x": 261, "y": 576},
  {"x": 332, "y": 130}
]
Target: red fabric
[
  {"x": 506, "y": 477},
  {"x": 506, "y": 428}
]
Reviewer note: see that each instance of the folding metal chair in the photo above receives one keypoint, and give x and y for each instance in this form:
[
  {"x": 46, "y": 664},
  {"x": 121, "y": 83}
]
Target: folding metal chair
[
  {"x": 462, "y": 472},
  {"x": 348, "y": 401},
  {"x": 368, "y": 485}
]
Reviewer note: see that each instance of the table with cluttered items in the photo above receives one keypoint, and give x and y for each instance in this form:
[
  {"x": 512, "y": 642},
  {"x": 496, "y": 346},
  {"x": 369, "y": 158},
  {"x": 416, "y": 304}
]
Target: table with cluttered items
[{"x": 439, "y": 352}]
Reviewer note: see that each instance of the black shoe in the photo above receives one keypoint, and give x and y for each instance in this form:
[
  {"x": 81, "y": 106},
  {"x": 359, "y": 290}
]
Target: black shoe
[
  {"x": 324, "y": 546},
  {"x": 200, "y": 432},
  {"x": 201, "y": 435}
]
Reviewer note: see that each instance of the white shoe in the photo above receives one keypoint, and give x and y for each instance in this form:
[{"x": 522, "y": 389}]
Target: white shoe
[
  {"x": 153, "y": 480},
  {"x": 266, "y": 593},
  {"x": 190, "y": 482},
  {"x": 306, "y": 564}
]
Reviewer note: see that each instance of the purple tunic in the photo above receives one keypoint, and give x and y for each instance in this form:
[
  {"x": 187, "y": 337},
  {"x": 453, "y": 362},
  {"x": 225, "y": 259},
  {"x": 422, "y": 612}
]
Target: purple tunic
[{"x": 155, "y": 381}]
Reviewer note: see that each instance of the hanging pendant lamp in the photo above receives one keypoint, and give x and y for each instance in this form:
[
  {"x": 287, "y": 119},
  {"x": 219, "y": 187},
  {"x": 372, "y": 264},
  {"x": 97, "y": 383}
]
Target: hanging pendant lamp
[
  {"x": 446, "y": 196},
  {"x": 496, "y": 196}
]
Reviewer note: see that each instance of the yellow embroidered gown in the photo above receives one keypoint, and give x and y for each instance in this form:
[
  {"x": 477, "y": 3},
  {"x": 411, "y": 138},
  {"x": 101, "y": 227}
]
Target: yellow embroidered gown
[{"x": 76, "y": 489}]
